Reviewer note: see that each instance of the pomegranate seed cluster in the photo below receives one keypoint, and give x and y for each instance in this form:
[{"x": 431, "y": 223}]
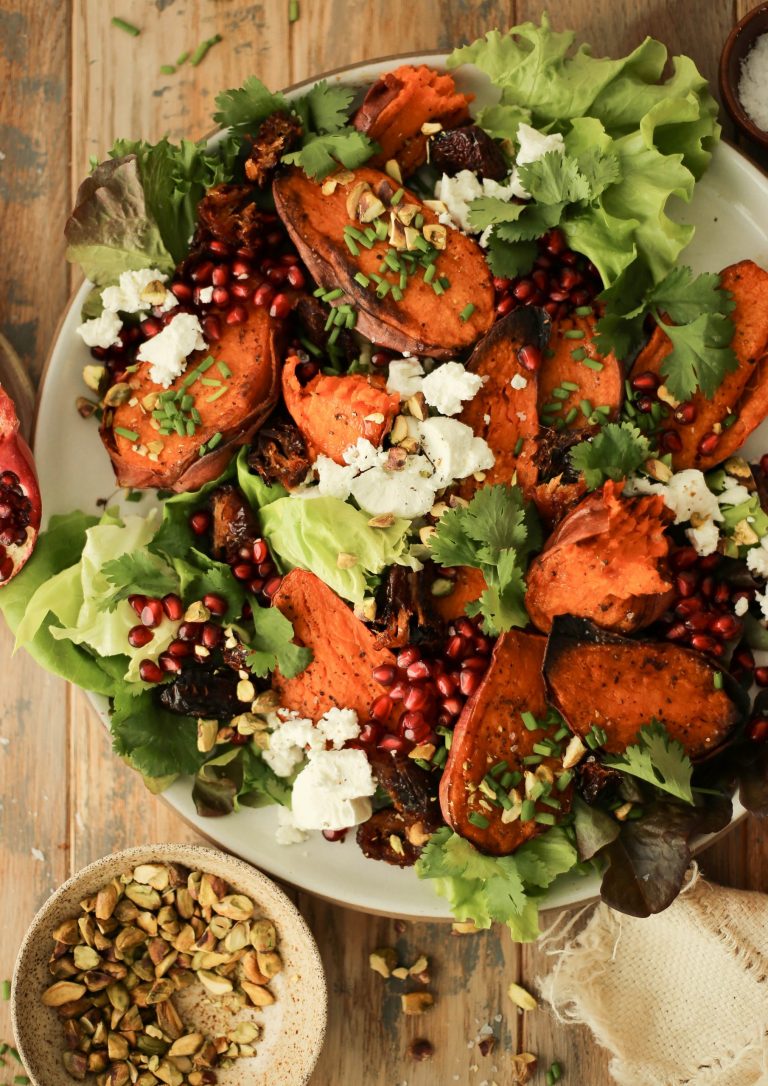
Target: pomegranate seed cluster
[
  {"x": 702, "y": 615},
  {"x": 428, "y": 693},
  {"x": 252, "y": 564},
  {"x": 646, "y": 400},
  {"x": 560, "y": 281},
  {"x": 194, "y": 641},
  {"x": 15, "y": 516}
]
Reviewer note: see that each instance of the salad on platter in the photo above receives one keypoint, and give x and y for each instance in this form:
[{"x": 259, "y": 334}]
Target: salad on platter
[{"x": 454, "y": 548}]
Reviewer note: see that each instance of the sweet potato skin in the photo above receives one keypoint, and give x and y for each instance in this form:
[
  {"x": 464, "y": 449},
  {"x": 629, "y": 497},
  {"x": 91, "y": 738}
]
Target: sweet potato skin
[
  {"x": 343, "y": 650},
  {"x": 606, "y": 561},
  {"x": 333, "y": 412},
  {"x": 743, "y": 392},
  {"x": 594, "y": 677},
  {"x": 512, "y": 425},
  {"x": 421, "y": 322},
  {"x": 490, "y": 730},
  {"x": 251, "y": 351},
  {"x": 399, "y": 103},
  {"x": 603, "y": 387}
]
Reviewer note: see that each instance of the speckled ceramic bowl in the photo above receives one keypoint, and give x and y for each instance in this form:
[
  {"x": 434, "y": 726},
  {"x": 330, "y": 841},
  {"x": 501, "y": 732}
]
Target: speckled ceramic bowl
[{"x": 293, "y": 1027}]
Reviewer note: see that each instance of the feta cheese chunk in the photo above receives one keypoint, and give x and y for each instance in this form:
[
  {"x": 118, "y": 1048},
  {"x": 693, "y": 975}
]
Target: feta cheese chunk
[
  {"x": 339, "y": 726},
  {"x": 453, "y": 450},
  {"x": 458, "y": 192},
  {"x": 449, "y": 386},
  {"x": 287, "y": 832},
  {"x": 288, "y": 743},
  {"x": 519, "y": 382},
  {"x": 126, "y": 296},
  {"x": 333, "y": 791},
  {"x": 103, "y": 331},
  {"x": 409, "y": 492},
  {"x": 705, "y": 538},
  {"x": 741, "y": 606},
  {"x": 168, "y": 350},
  {"x": 334, "y": 480},
  {"x": 533, "y": 145},
  {"x": 404, "y": 377},
  {"x": 757, "y": 559}
]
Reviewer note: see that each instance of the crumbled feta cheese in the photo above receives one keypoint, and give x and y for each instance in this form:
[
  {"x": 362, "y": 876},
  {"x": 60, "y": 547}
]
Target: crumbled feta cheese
[
  {"x": 287, "y": 832},
  {"x": 741, "y": 606},
  {"x": 409, "y": 492},
  {"x": 518, "y": 381},
  {"x": 334, "y": 480},
  {"x": 734, "y": 492},
  {"x": 288, "y": 743},
  {"x": 126, "y": 296},
  {"x": 206, "y": 295},
  {"x": 533, "y": 145},
  {"x": 704, "y": 538},
  {"x": 458, "y": 192},
  {"x": 453, "y": 450},
  {"x": 685, "y": 494},
  {"x": 102, "y": 331},
  {"x": 405, "y": 376},
  {"x": 339, "y": 726},
  {"x": 168, "y": 350},
  {"x": 362, "y": 455},
  {"x": 521, "y": 415},
  {"x": 757, "y": 559},
  {"x": 449, "y": 386},
  {"x": 761, "y": 598},
  {"x": 333, "y": 791}
]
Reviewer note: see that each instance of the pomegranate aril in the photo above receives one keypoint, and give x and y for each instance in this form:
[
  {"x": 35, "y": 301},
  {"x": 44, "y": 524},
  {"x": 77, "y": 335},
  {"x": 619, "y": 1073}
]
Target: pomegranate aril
[
  {"x": 151, "y": 326},
  {"x": 241, "y": 268},
  {"x": 726, "y": 626},
  {"x": 758, "y": 729},
  {"x": 256, "y": 585},
  {"x": 708, "y": 444},
  {"x": 139, "y": 636},
  {"x": 272, "y": 586},
  {"x": 220, "y": 276},
  {"x": 370, "y": 733},
  {"x": 722, "y": 594},
  {"x": 446, "y": 685},
  {"x": 215, "y": 603},
  {"x": 220, "y": 296},
  {"x": 393, "y": 743},
  {"x": 469, "y": 682},
  {"x": 190, "y": 631},
  {"x": 240, "y": 290},
  {"x": 180, "y": 648},
  {"x": 453, "y": 706},
  {"x": 183, "y": 291},
  {"x": 474, "y": 663},
  {"x": 263, "y": 295},
  {"x": 398, "y": 691},
  {"x": 173, "y": 606},
  {"x": 211, "y": 328},
  {"x": 699, "y": 621},
  {"x": 465, "y": 628},
  {"x": 170, "y": 664},
  {"x": 707, "y": 587},
  {"x": 418, "y": 671},
  {"x": 414, "y": 727},
  {"x": 200, "y": 522},
  {"x": 417, "y": 699},
  {"x": 704, "y": 643},
  {"x": 138, "y": 603},
  {"x": 685, "y": 414},
  {"x": 335, "y": 835},
  {"x": 238, "y": 314},
  {"x": 457, "y": 647},
  {"x": 678, "y": 632},
  {"x": 152, "y": 613},
  {"x": 277, "y": 275},
  {"x": 408, "y": 656},
  {"x": 244, "y": 571},
  {"x": 689, "y": 606},
  {"x": 385, "y": 674},
  {"x": 149, "y": 672},
  {"x": 686, "y": 583},
  {"x": 506, "y": 305},
  {"x": 764, "y": 463},
  {"x": 203, "y": 272},
  {"x": 645, "y": 404},
  {"x": 296, "y": 277},
  {"x": 281, "y": 306},
  {"x": 670, "y": 441},
  {"x": 501, "y": 285},
  {"x": 380, "y": 359},
  {"x": 744, "y": 658},
  {"x": 260, "y": 550},
  {"x": 529, "y": 358},
  {"x": 710, "y": 562},
  {"x": 219, "y": 248},
  {"x": 684, "y": 558},
  {"x": 761, "y": 676},
  {"x": 212, "y": 635},
  {"x": 645, "y": 382}
]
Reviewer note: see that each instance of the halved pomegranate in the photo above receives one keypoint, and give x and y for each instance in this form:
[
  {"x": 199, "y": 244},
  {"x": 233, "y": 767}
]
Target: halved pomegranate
[{"x": 20, "y": 504}]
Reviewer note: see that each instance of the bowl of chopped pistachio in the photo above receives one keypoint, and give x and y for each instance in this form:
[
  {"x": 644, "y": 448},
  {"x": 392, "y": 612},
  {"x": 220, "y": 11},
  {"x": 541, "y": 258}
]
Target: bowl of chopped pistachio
[{"x": 169, "y": 964}]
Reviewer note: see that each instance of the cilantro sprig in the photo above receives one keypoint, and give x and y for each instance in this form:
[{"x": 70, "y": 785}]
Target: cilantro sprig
[
  {"x": 496, "y": 533},
  {"x": 615, "y": 452},
  {"x": 658, "y": 760}
]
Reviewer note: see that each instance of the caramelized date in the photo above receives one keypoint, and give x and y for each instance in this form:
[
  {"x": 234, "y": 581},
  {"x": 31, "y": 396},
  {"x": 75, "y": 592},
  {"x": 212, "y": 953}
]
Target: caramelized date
[
  {"x": 234, "y": 526},
  {"x": 203, "y": 693},
  {"x": 467, "y": 148},
  {"x": 279, "y": 453},
  {"x": 375, "y": 839},
  {"x": 228, "y": 214},
  {"x": 278, "y": 134},
  {"x": 597, "y": 781}
]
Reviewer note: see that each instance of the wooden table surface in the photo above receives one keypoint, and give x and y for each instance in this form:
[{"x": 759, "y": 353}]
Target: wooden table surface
[{"x": 69, "y": 84}]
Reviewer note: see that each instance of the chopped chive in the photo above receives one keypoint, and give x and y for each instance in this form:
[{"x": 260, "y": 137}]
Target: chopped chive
[
  {"x": 564, "y": 780},
  {"x": 729, "y": 420},
  {"x": 129, "y": 435},
  {"x": 529, "y": 720},
  {"x": 579, "y": 354},
  {"x": 293, "y": 11},
  {"x": 224, "y": 370},
  {"x": 527, "y": 810},
  {"x": 190, "y": 426},
  {"x": 14, "y": 1053},
  {"x": 445, "y": 282},
  {"x": 210, "y": 382},
  {"x": 571, "y": 416},
  {"x": 382, "y": 290},
  {"x": 545, "y": 818},
  {"x": 381, "y": 229},
  {"x": 554, "y": 1074},
  {"x": 397, "y": 293},
  {"x": 182, "y": 57},
  {"x": 397, "y": 197},
  {"x": 440, "y": 757},
  {"x": 206, "y": 364},
  {"x": 362, "y": 279},
  {"x": 129, "y": 28},
  {"x": 199, "y": 53},
  {"x": 590, "y": 740},
  {"x": 532, "y": 759},
  {"x": 403, "y": 280},
  {"x": 5, "y": 988},
  {"x": 20, "y": 1080},
  {"x": 187, "y": 402},
  {"x": 370, "y": 235},
  {"x": 212, "y": 399},
  {"x": 350, "y": 244},
  {"x": 422, "y": 764},
  {"x": 573, "y": 333},
  {"x": 134, "y": 495},
  {"x": 438, "y": 287},
  {"x": 478, "y": 820},
  {"x": 504, "y": 800},
  {"x": 332, "y": 295},
  {"x": 559, "y": 424},
  {"x": 215, "y": 440},
  {"x": 506, "y": 781},
  {"x": 561, "y": 733},
  {"x": 583, "y": 311},
  {"x": 418, "y": 221},
  {"x": 467, "y": 311},
  {"x": 320, "y": 292},
  {"x": 542, "y": 748},
  {"x": 499, "y": 768},
  {"x": 570, "y": 386},
  {"x": 592, "y": 363},
  {"x": 717, "y": 679},
  {"x": 350, "y": 318},
  {"x": 179, "y": 427},
  {"x": 310, "y": 347},
  {"x": 429, "y": 273},
  {"x": 552, "y": 801},
  {"x": 167, "y": 69},
  {"x": 334, "y": 335},
  {"x": 196, "y": 414},
  {"x": 551, "y": 407},
  {"x": 560, "y": 393},
  {"x": 518, "y": 446},
  {"x": 603, "y": 409},
  {"x": 392, "y": 260}
]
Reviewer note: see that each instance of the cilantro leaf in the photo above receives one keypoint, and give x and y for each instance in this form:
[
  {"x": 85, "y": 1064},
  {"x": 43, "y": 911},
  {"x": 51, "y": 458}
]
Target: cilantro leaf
[
  {"x": 600, "y": 169},
  {"x": 495, "y": 533},
  {"x": 491, "y": 210},
  {"x": 555, "y": 178},
  {"x": 327, "y": 107},
  {"x": 273, "y": 644},
  {"x": 701, "y": 355},
  {"x": 659, "y": 760},
  {"x": 154, "y": 741},
  {"x": 683, "y": 298},
  {"x": 507, "y": 260},
  {"x": 322, "y": 154},
  {"x": 244, "y": 108},
  {"x": 534, "y": 221},
  {"x": 138, "y": 573},
  {"x": 615, "y": 452}
]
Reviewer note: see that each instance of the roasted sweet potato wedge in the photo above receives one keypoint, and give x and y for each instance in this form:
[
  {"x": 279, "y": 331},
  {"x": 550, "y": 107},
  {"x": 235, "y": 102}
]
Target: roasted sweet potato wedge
[
  {"x": 505, "y": 410},
  {"x": 489, "y": 731},
  {"x": 333, "y": 412},
  {"x": 596, "y": 677},
  {"x": 743, "y": 392},
  {"x": 142, "y": 457},
  {"x": 400, "y": 103},
  {"x": 343, "y": 650},
  {"x": 606, "y": 561},
  {"x": 571, "y": 342},
  {"x": 468, "y": 586},
  {"x": 421, "y": 322}
]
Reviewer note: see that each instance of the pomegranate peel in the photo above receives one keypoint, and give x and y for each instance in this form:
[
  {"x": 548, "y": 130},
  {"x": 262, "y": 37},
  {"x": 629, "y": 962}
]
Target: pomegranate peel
[{"x": 20, "y": 503}]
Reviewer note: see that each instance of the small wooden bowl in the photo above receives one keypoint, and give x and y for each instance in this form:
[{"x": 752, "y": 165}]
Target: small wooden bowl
[
  {"x": 294, "y": 1026},
  {"x": 737, "y": 46}
]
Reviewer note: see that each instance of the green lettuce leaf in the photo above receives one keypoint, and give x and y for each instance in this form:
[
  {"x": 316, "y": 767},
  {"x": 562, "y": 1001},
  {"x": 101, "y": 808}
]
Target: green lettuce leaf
[{"x": 308, "y": 533}]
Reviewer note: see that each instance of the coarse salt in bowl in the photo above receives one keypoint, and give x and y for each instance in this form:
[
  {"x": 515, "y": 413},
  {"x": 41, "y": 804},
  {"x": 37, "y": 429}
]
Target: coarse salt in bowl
[{"x": 744, "y": 75}]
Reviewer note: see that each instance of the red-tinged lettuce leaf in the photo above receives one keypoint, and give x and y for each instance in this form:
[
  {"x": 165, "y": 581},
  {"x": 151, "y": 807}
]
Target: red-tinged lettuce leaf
[
  {"x": 111, "y": 229},
  {"x": 648, "y": 861},
  {"x": 239, "y": 777},
  {"x": 595, "y": 829}
]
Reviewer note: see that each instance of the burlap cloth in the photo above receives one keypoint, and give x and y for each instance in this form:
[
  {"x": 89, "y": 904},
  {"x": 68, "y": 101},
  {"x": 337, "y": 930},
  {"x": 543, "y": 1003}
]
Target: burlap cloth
[{"x": 679, "y": 999}]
